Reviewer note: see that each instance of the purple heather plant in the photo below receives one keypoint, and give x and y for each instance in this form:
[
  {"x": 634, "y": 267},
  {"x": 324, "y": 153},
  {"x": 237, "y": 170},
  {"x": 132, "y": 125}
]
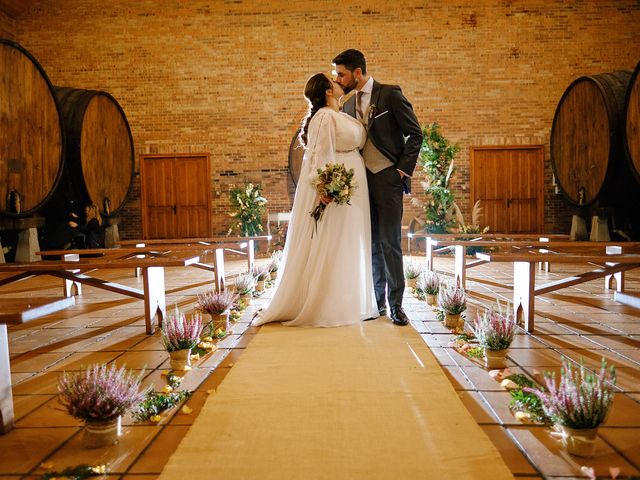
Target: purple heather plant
[
  {"x": 260, "y": 272},
  {"x": 429, "y": 283},
  {"x": 452, "y": 300},
  {"x": 216, "y": 303},
  {"x": 245, "y": 283},
  {"x": 582, "y": 399},
  {"x": 180, "y": 333},
  {"x": 100, "y": 393},
  {"x": 494, "y": 330},
  {"x": 412, "y": 270}
]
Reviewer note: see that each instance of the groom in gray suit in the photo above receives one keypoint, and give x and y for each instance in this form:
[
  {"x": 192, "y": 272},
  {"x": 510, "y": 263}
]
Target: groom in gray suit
[{"x": 394, "y": 138}]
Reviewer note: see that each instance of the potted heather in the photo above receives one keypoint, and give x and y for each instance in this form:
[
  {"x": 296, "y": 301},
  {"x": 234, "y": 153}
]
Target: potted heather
[
  {"x": 100, "y": 395},
  {"x": 495, "y": 331},
  {"x": 179, "y": 335},
  {"x": 411, "y": 273},
  {"x": 217, "y": 305},
  {"x": 261, "y": 274},
  {"x": 579, "y": 404},
  {"x": 244, "y": 285},
  {"x": 452, "y": 301},
  {"x": 429, "y": 284},
  {"x": 274, "y": 264}
]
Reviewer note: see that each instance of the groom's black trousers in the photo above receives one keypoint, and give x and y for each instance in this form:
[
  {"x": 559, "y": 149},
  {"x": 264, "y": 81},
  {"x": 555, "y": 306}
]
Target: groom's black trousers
[{"x": 385, "y": 196}]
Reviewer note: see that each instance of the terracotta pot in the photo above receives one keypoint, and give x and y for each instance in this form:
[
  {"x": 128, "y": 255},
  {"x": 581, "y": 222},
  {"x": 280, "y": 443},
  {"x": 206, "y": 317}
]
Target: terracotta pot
[
  {"x": 411, "y": 282},
  {"x": 260, "y": 285},
  {"x": 273, "y": 275},
  {"x": 180, "y": 359},
  {"x": 495, "y": 358},
  {"x": 579, "y": 441},
  {"x": 101, "y": 434},
  {"x": 432, "y": 300},
  {"x": 451, "y": 321}
]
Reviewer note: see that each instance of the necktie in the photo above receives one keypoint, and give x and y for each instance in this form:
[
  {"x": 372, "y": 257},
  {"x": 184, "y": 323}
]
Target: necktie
[{"x": 359, "y": 105}]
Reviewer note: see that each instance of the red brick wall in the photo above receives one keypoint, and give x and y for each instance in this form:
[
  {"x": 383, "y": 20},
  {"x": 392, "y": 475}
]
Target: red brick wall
[{"x": 226, "y": 76}]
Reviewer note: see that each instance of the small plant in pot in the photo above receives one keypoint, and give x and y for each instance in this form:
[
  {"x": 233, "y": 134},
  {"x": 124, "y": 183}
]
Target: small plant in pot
[
  {"x": 244, "y": 286},
  {"x": 274, "y": 264},
  {"x": 179, "y": 335},
  {"x": 452, "y": 301},
  {"x": 579, "y": 404},
  {"x": 100, "y": 395},
  {"x": 429, "y": 284},
  {"x": 261, "y": 274},
  {"x": 494, "y": 331},
  {"x": 411, "y": 273},
  {"x": 217, "y": 305}
]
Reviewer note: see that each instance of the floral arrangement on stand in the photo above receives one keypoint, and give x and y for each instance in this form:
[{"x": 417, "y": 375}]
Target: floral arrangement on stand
[
  {"x": 248, "y": 206},
  {"x": 452, "y": 301},
  {"x": 179, "y": 335},
  {"x": 100, "y": 395},
  {"x": 412, "y": 272},
  {"x": 218, "y": 306},
  {"x": 473, "y": 227},
  {"x": 428, "y": 286},
  {"x": 579, "y": 404},
  {"x": 494, "y": 331},
  {"x": 437, "y": 161}
]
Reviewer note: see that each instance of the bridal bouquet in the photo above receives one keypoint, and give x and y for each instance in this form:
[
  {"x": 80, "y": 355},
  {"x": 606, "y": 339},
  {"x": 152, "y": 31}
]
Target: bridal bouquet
[{"x": 336, "y": 183}]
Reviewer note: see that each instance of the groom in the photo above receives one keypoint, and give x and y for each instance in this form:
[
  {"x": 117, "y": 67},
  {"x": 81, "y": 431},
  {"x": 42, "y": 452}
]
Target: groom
[{"x": 394, "y": 138}]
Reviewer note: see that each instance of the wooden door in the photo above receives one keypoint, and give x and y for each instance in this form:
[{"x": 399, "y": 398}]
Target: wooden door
[
  {"x": 176, "y": 196},
  {"x": 509, "y": 181}
]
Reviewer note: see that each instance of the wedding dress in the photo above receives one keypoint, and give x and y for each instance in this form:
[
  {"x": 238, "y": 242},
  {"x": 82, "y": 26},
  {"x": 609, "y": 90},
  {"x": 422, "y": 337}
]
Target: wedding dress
[{"x": 325, "y": 279}]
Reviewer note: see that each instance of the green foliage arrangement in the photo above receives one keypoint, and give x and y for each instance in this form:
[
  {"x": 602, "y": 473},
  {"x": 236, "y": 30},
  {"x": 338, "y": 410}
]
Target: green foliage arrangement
[
  {"x": 249, "y": 207},
  {"x": 525, "y": 401},
  {"x": 436, "y": 159}
]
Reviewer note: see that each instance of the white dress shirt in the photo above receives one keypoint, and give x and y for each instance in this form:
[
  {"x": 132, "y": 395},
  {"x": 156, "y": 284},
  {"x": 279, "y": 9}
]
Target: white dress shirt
[{"x": 365, "y": 99}]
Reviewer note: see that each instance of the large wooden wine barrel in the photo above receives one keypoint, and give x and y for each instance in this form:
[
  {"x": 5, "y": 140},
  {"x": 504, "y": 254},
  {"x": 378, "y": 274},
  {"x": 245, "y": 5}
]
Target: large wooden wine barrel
[
  {"x": 99, "y": 153},
  {"x": 587, "y": 135},
  {"x": 31, "y": 133},
  {"x": 632, "y": 123}
]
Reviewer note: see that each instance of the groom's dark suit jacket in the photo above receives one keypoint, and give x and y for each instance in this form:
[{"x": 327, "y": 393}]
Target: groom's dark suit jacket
[{"x": 391, "y": 120}]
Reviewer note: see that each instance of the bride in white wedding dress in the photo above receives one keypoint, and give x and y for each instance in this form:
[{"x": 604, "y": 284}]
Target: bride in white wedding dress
[{"x": 325, "y": 279}]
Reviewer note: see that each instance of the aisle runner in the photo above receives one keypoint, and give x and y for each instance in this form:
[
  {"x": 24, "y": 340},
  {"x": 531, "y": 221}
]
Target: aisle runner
[{"x": 364, "y": 402}]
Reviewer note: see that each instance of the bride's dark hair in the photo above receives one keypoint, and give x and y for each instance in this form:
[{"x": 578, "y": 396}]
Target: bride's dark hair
[{"x": 314, "y": 91}]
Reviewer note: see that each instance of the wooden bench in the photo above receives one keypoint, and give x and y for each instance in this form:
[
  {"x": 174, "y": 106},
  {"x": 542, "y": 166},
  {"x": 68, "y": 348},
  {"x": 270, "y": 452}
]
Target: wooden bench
[
  {"x": 202, "y": 243},
  {"x": 74, "y": 271},
  {"x": 457, "y": 242},
  {"x": 524, "y": 281},
  {"x": 541, "y": 245}
]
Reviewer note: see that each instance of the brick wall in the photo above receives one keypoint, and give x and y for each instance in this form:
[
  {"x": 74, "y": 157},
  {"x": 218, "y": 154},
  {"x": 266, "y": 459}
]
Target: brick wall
[{"x": 226, "y": 76}]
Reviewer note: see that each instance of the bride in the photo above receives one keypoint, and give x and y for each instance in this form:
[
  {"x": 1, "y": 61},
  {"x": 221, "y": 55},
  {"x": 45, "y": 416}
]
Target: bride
[{"x": 325, "y": 279}]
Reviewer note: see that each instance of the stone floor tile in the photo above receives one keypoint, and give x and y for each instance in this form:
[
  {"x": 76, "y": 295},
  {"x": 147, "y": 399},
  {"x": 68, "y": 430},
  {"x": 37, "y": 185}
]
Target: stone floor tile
[
  {"x": 118, "y": 457},
  {"x": 154, "y": 458},
  {"x": 551, "y": 459},
  {"x": 23, "y": 449}
]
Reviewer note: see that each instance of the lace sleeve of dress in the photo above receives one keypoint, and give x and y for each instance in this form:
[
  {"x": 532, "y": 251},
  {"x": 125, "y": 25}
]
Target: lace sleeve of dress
[{"x": 321, "y": 142}]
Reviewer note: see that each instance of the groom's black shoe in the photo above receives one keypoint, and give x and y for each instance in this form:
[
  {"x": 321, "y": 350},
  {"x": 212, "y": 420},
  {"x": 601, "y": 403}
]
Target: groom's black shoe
[{"x": 398, "y": 316}]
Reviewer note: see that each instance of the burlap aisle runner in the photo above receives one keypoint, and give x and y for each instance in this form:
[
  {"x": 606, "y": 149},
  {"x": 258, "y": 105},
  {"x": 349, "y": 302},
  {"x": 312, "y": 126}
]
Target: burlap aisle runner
[{"x": 365, "y": 402}]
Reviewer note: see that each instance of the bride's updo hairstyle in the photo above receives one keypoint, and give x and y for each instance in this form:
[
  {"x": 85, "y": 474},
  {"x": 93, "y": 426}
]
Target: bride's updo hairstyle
[{"x": 314, "y": 91}]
